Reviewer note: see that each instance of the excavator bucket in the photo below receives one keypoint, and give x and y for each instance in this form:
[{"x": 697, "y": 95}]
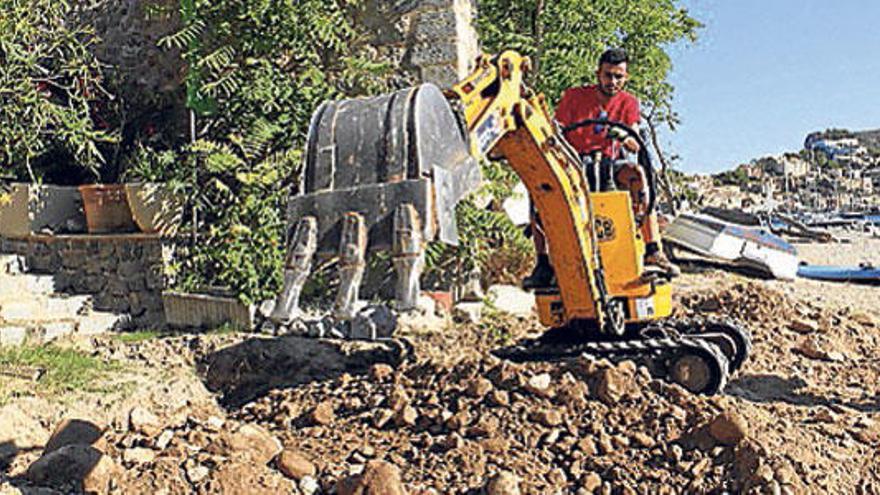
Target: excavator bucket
[
  {"x": 370, "y": 155},
  {"x": 381, "y": 173}
]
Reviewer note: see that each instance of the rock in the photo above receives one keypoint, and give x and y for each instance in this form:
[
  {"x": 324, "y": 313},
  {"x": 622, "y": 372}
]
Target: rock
[
  {"x": 82, "y": 465},
  {"x": 378, "y": 478},
  {"x": 381, "y": 417},
  {"x": 591, "y": 482},
  {"x": 406, "y": 416},
  {"x": 863, "y": 319},
  {"x": 548, "y": 417},
  {"x": 380, "y": 372},
  {"x": 468, "y": 312},
  {"x": 479, "y": 387},
  {"x": 539, "y": 385},
  {"x": 249, "y": 440},
  {"x": 323, "y": 414},
  {"x": 811, "y": 348},
  {"x": 499, "y": 398},
  {"x": 612, "y": 385},
  {"x": 164, "y": 439},
  {"x": 503, "y": 483},
  {"x": 512, "y": 300},
  {"x": 587, "y": 446},
  {"x": 804, "y": 326},
  {"x": 294, "y": 464},
  {"x": 138, "y": 455},
  {"x": 728, "y": 428},
  {"x": 73, "y": 432},
  {"x": 309, "y": 485},
  {"x": 644, "y": 440},
  {"x": 197, "y": 473},
  {"x": 142, "y": 421},
  {"x": 373, "y": 322}
]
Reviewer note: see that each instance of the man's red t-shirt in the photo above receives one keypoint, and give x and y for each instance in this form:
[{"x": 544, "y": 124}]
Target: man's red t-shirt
[{"x": 588, "y": 102}]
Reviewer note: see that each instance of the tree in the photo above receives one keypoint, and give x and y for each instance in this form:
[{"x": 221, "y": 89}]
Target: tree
[{"x": 49, "y": 82}]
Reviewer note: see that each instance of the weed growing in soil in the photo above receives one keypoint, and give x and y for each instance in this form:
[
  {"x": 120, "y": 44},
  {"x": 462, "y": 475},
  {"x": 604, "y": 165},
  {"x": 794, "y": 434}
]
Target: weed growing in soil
[{"x": 59, "y": 370}]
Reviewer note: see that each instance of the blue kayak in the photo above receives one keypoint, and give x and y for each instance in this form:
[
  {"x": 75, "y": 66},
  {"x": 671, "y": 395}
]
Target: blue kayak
[{"x": 864, "y": 273}]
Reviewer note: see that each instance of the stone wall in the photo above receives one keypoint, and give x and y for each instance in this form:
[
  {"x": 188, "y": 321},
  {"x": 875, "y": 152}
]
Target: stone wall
[
  {"x": 124, "y": 274},
  {"x": 430, "y": 40}
]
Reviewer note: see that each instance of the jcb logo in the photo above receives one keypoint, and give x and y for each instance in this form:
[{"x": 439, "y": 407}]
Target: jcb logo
[{"x": 604, "y": 229}]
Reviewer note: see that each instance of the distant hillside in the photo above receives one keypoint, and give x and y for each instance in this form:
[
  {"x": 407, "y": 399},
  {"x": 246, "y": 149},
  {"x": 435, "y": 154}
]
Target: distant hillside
[{"x": 869, "y": 138}]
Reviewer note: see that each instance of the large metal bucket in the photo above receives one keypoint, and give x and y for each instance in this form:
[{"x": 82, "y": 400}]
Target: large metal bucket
[{"x": 370, "y": 155}]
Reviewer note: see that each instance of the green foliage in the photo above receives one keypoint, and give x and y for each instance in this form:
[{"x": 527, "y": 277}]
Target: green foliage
[
  {"x": 49, "y": 83},
  {"x": 488, "y": 240},
  {"x": 566, "y": 37},
  {"x": 256, "y": 72}
]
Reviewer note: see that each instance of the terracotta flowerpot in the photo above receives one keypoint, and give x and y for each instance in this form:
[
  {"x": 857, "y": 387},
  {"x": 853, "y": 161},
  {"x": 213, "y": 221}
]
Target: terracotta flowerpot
[{"x": 106, "y": 207}]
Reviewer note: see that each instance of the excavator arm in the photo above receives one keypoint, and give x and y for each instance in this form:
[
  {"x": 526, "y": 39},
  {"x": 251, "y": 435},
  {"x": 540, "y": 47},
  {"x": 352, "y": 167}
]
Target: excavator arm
[{"x": 505, "y": 119}]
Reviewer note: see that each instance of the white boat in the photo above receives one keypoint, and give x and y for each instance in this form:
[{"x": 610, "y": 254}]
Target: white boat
[{"x": 749, "y": 247}]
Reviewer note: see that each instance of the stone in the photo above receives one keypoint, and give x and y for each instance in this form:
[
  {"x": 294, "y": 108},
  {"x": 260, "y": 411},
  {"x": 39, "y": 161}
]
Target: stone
[
  {"x": 468, "y": 312},
  {"x": 503, "y": 483},
  {"x": 323, "y": 414},
  {"x": 309, "y": 485},
  {"x": 728, "y": 428},
  {"x": 164, "y": 439},
  {"x": 380, "y": 372},
  {"x": 591, "y": 482},
  {"x": 381, "y": 417},
  {"x": 249, "y": 440},
  {"x": 293, "y": 464},
  {"x": 479, "y": 387},
  {"x": 499, "y": 398},
  {"x": 138, "y": 455},
  {"x": 143, "y": 421},
  {"x": 548, "y": 417},
  {"x": 373, "y": 322},
  {"x": 612, "y": 385},
  {"x": 406, "y": 416},
  {"x": 804, "y": 326},
  {"x": 811, "y": 348},
  {"x": 82, "y": 465},
  {"x": 587, "y": 446},
  {"x": 539, "y": 385},
  {"x": 73, "y": 432},
  {"x": 644, "y": 440},
  {"x": 378, "y": 478},
  {"x": 512, "y": 300}
]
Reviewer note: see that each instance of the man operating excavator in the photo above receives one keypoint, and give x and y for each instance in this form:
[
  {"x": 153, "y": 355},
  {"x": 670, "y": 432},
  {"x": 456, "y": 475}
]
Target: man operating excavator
[{"x": 601, "y": 151}]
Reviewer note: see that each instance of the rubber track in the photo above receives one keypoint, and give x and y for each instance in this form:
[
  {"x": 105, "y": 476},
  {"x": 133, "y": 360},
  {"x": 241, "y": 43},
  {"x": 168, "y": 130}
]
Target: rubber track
[{"x": 655, "y": 353}]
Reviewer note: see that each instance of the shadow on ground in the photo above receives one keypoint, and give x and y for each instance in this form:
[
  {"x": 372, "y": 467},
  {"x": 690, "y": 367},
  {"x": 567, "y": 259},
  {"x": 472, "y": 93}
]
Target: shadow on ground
[
  {"x": 767, "y": 388},
  {"x": 247, "y": 370},
  {"x": 66, "y": 460}
]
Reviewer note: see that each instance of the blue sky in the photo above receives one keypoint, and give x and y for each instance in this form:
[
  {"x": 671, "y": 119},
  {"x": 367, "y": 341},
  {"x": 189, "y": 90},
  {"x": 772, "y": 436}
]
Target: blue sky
[{"x": 765, "y": 73}]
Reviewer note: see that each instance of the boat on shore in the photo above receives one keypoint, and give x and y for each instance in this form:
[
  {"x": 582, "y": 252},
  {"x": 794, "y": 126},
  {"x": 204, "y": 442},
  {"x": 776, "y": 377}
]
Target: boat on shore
[
  {"x": 864, "y": 273},
  {"x": 753, "y": 248}
]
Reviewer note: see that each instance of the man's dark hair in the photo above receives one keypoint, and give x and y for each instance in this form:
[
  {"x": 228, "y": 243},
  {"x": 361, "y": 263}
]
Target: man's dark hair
[{"x": 613, "y": 56}]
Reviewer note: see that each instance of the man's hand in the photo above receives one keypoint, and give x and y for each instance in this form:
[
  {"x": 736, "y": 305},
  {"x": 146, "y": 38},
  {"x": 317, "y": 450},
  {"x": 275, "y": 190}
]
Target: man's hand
[{"x": 631, "y": 144}]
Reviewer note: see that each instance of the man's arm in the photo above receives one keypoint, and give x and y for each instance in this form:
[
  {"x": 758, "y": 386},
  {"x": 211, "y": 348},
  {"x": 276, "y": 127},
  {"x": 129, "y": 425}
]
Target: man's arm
[{"x": 631, "y": 118}]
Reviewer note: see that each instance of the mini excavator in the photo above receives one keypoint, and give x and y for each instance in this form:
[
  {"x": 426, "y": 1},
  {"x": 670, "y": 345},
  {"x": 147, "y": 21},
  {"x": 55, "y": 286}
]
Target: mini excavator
[{"x": 602, "y": 306}]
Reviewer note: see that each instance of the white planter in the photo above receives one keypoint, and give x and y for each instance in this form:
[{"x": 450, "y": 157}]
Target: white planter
[
  {"x": 154, "y": 209},
  {"x": 31, "y": 208},
  {"x": 203, "y": 311}
]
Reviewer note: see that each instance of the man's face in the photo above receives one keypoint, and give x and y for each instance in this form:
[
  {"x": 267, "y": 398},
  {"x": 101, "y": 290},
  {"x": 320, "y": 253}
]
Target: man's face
[{"x": 612, "y": 78}]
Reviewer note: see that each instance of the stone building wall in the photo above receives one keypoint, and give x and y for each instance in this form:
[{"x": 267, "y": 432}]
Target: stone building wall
[
  {"x": 124, "y": 274},
  {"x": 430, "y": 40}
]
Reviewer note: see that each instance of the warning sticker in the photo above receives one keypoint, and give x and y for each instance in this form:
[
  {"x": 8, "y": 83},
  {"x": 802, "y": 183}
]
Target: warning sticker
[{"x": 644, "y": 307}]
